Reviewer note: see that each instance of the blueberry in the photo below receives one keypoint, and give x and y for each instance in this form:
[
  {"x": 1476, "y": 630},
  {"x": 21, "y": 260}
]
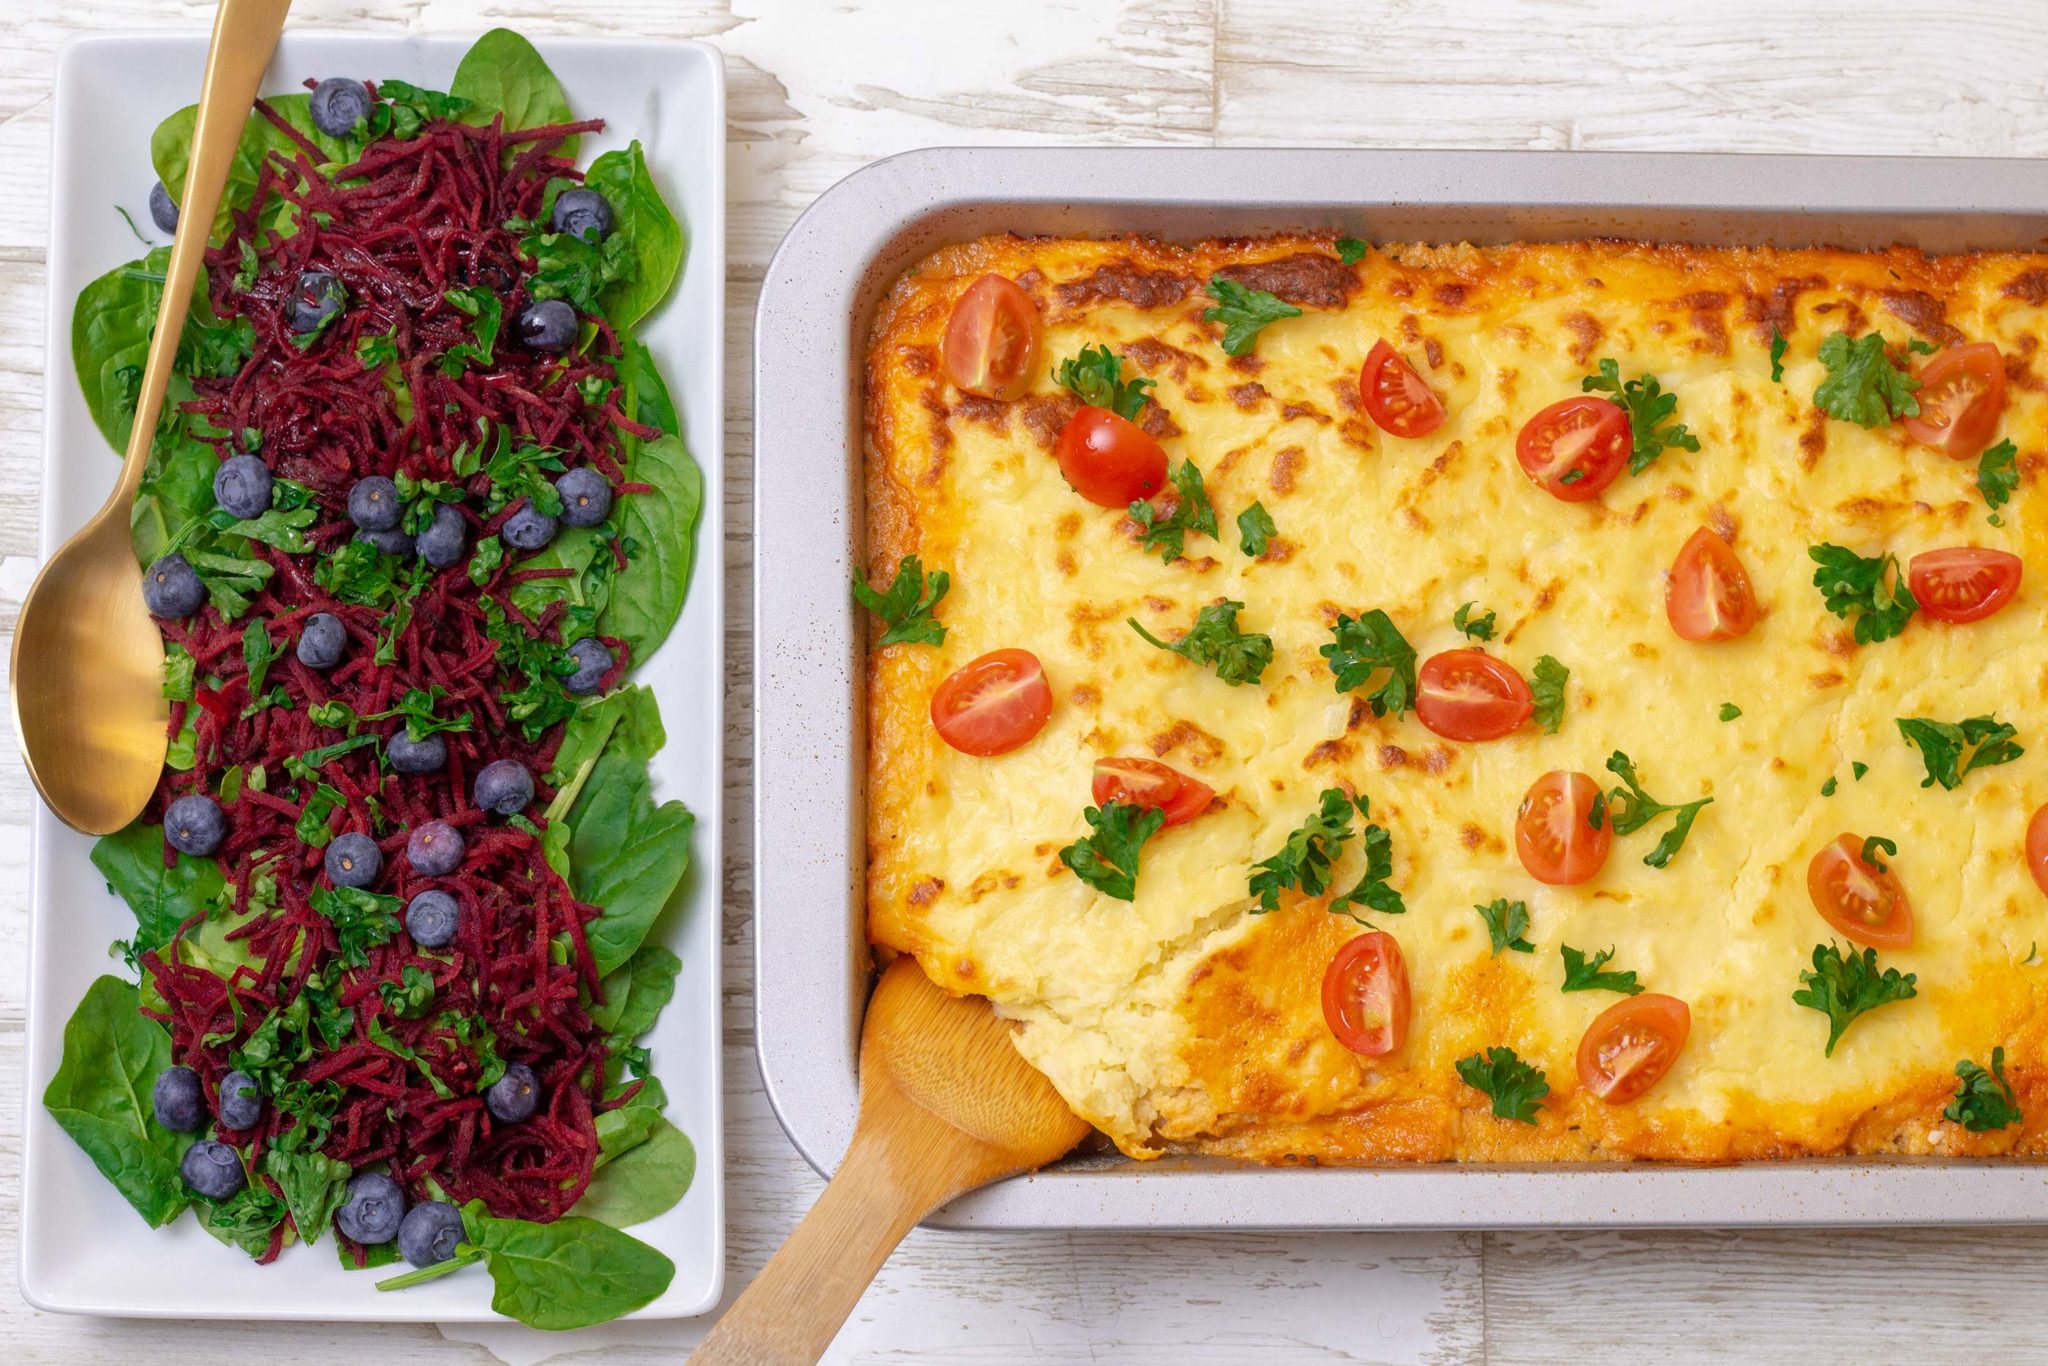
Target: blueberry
[
  {"x": 504, "y": 786},
  {"x": 373, "y": 503},
  {"x": 434, "y": 849},
  {"x": 445, "y": 538},
  {"x": 431, "y": 919},
  {"x": 241, "y": 486},
  {"x": 171, "y": 588},
  {"x": 338, "y": 104},
  {"x": 321, "y": 641},
  {"x": 316, "y": 298},
  {"x": 547, "y": 325},
  {"x": 241, "y": 1104},
  {"x": 593, "y": 662},
  {"x": 429, "y": 1232},
  {"x": 586, "y": 496},
  {"x": 514, "y": 1096},
  {"x": 213, "y": 1169},
  {"x": 527, "y": 529},
  {"x": 408, "y": 755},
  {"x": 163, "y": 210},
  {"x": 374, "y": 1208},
  {"x": 178, "y": 1099},
  {"x": 582, "y": 213},
  {"x": 354, "y": 860},
  {"x": 392, "y": 542},
  {"x": 194, "y": 824}
]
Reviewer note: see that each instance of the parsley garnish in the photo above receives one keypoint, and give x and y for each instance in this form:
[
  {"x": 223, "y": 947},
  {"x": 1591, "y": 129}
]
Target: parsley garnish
[
  {"x": 1363, "y": 646},
  {"x": 1192, "y": 512},
  {"x": 1729, "y": 711},
  {"x": 1844, "y": 988},
  {"x": 1238, "y": 656},
  {"x": 258, "y": 653},
  {"x": 1303, "y": 863},
  {"x": 1863, "y": 386},
  {"x": 1922, "y": 346},
  {"x": 486, "y": 316},
  {"x": 1371, "y": 890},
  {"x": 1648, "y": 408},
  {"x": 1581, "y": 975},
  {"x": 1778, "y": 345},
  {"x": 1547, "y": 687},
  {"x": 1875, "y": 846},
  {"x": 362, "y": 920},
  {"x": 410, "y": 997},
  {"x": 1255, "y": 530},
  {"x": 1096, "y": 377},
  {"x": 1243, "y": 312},
  {"x": 1858, "y": 768},
  {"x": 1474, "y": 628},
  {"x": 1870, "y": 586},
  {"x": 1350, "y": 250},
  {"x": 1629, "y": 809},
  {"x": 1827, "y": 789},
  {"x": 1984, "y": 1100},
  {"x": 1514, "y": 1087},
  {"x": 1507, "y": 924},
  {"x": 1952, "y": 750},
  {"x": 1998, "y": 476},
  {"x": 1107, "y": 857},
  {"x": 908, "y": 603}
]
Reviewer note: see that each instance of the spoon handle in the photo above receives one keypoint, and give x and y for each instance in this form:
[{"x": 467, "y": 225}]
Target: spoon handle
[{"x": 245, "y": 33}]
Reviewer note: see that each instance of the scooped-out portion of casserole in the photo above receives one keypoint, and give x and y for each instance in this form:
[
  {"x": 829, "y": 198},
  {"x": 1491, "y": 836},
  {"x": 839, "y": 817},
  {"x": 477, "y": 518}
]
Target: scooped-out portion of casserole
[{"x": 1388, "y": 702}]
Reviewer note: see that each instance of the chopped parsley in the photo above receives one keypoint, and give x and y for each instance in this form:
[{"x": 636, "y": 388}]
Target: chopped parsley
[
  {"x": 1629, "y": 809},
  {"x": 1255, "y": 530},
  {"x": 1857, "y": 768},
  {"x": 1238, "y": 656},
  {"x": 1583, "y": 975},
  {"x": 1474, "y": 628},
  {"x": 1843, "y": 988},
  {"x": 1350, "y": 250},
  {"x": 1868, "y": 590},
  {"x": 362, "y": 920},
  {"x": 907, "y": 604},
  {"x": 1729, "y": 711},
  {"x": 1778, "y": 345},
  {"x": 1998, "y": 476},
  {"x": 1303, "y": 863},
  {"x": 1507, "y": 924},
  {"x": 1362, "y": 647},
  {"x": 1876, "y": 849},
  {"x": 1984, "y": 1100},
  {"x": 1827, "y": 789},
  {"x": 1952, "y": 749},
  {"x": 411, "y": 996},
  {"x": 1243, "y": 312},
  {"x": 258, "y": 654},
  {"x": 1371, "y": 890},
  {"x": 1922, "y": 346},
  {"x": 1648, "y": 408},
  {"x": 1096, "y": 377},
  {"x": 1546, "y": 685},
  {"x": 1191, "y": 512},
  {"x": 486, "y": 315},
  {"x": 1514, "y": 1087},
  {"x": 1863, "y": 386},
  {"x": 1107, "y": 857}
]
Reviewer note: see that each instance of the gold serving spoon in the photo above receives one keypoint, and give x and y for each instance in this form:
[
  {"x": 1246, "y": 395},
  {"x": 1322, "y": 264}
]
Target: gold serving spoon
[
  {"x": 946, "y": 1104},
  {"x": 88, "y": 660}
]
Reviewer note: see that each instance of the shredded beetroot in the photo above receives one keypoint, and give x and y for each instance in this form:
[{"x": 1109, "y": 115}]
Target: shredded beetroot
[{"x": 409, "y": 220}]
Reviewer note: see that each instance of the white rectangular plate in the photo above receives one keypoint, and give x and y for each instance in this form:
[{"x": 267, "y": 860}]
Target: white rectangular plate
[{"x": 83, "y": 1250}]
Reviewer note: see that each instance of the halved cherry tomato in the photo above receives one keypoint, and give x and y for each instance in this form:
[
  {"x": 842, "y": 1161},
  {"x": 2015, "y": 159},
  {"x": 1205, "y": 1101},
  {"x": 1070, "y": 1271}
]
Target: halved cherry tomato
[
  {"x": 993, "y": 704},
  {"x": 1109, "y": 460},
  {"x": 1365, "y": 995},
  {"x": 992, "y": 340},
  {"x": 1554, "y": 830},
  {"x": 1397, "y": 398},
  {"x": 1860, "y": 900},
  {"x": 1574, "y": 449},
  {"x": 1147, "y": 782},
  {"x": 1470, "y": 695},
  {"x": 1631, "y": 1045},
  {"x": 2037, "y": 848},
  {"x": 1708, "y": 596},
  {"x": 1963, "y": 583},
  {"x": 1961, "y": 395}
]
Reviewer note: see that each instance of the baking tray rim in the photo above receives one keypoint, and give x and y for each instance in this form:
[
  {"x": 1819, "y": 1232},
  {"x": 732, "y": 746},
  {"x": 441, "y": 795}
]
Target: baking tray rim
[{"x": 816, "y": 299}]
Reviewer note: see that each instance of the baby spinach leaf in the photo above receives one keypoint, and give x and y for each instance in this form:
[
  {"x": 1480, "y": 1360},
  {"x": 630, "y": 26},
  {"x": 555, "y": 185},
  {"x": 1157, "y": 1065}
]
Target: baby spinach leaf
[
  {"x": 627, "y": 854},
  {"x": 170, "y": 150},
  {"x": 503, "y": 74},
  {"x": 245, "y": 1219},
  {"x": 568, "y": 1274},
  {"x": 653, "y": 237},
  {"x": 132, "y": 861},
  {"x": 644, "y": 1180},
  {"x": 659, "y": 531},
  {"x": 635, "y": 993},
  {"x": 100, "y": 1095}
]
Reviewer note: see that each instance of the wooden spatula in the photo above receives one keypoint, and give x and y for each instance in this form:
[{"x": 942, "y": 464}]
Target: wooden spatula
[{"x": 946, "y": 1104}]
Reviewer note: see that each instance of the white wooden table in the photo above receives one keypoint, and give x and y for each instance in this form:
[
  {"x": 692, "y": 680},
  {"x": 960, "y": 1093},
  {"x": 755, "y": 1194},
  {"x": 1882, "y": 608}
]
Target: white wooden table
[{"x": 818, "y": 87}]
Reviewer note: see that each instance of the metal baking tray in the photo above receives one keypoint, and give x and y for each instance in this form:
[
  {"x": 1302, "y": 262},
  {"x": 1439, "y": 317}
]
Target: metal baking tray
[{"x": 812, "y": 961}]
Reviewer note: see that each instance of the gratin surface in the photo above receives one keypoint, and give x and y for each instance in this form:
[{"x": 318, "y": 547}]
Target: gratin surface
[{"x": 1181, "y": 1022}]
